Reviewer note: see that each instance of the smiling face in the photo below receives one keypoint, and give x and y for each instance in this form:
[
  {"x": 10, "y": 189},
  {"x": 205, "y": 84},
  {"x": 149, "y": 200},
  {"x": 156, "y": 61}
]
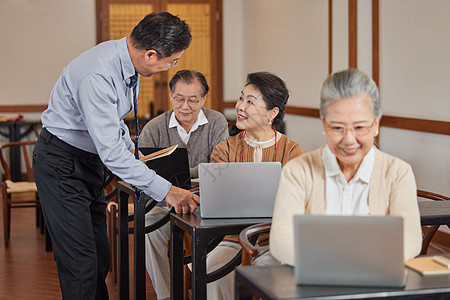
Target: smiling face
[
  {"x": 252, "y": 113},
  {"x": 350, "y": 127},
  {"x": 187, "y": 101}
]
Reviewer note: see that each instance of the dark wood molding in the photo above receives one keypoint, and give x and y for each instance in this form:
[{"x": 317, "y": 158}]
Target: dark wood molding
[
  {"x": 376, "y": 41},
  {"x": 228, "y": 104},
  {"x": 330, "y": 36},
  {"x": 376, "y": 48},
  {"x": 23, "y": 108},
  {"x": 303, "y": 111},
  {"x": 352, "y": 33},
  {"x": 217, "y": 48},
  {"x": 422, "y": 125}
]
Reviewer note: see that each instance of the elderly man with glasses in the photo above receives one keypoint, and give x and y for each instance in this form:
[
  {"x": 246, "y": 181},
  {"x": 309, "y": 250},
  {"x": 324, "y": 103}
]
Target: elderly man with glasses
[{"x": 191, "y": 126}]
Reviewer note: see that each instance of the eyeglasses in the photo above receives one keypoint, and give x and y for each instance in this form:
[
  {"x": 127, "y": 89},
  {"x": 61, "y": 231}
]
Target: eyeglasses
[
  {"x": 172, "y": 65},
  {"x": 179, "y": 101},
  {"x": 340, "y": 130}
]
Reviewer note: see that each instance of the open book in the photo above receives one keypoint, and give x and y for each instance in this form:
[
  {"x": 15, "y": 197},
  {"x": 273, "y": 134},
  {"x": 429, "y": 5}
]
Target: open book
[
  {"x": 429, "y": 265},
  {"x": 158, "y": 154}
]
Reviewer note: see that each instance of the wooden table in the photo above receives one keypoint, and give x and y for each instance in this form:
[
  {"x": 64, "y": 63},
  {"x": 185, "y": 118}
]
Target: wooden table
[
  {"x": 124, "y": 191},
  {"x": 277, "y": 282},
  {"x": 434, "y": 212},
  {"x": 205, "y": 235}
]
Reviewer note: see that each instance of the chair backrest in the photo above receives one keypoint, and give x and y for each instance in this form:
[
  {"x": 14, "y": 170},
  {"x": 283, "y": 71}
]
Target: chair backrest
[
  {"x": 25, "y": 149},
  {"x": 430, "y": 231},
  {"x": 431, "y": 196}
]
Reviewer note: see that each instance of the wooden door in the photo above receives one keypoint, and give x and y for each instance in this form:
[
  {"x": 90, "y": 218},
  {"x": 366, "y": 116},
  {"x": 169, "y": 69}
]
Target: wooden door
[{"x": 116, "y": 19}]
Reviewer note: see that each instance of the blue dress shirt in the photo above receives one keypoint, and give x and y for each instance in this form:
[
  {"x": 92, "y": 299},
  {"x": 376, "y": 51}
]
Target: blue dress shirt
[{"x": 86, "y": 110}]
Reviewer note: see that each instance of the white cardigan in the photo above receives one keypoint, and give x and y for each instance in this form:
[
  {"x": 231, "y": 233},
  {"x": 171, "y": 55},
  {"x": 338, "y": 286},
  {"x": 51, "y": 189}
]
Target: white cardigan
[{"x": 302, "y": 191}]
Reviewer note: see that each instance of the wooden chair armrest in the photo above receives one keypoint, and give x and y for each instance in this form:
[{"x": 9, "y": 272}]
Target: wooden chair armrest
[
  {"x": 431, "y": 230},
  {"x": 248, "y": 249},
  {"x": 432, "y": 196}
]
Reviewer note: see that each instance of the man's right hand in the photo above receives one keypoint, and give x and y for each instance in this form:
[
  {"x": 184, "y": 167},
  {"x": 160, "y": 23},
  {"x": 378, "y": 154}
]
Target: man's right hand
[{"x": 182, "y": 200}]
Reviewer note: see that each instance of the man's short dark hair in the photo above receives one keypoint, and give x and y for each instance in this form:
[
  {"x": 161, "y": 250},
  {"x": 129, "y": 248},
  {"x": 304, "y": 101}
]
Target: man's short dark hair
[
  {"x": 188, "y": 76},
  {"x": 162, "y": 32}
]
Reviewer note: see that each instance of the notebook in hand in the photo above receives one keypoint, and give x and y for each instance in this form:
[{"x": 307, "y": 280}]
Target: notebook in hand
[
  {"x": 349, "y": 250},
  {"x": 173, "y": 167},
  {"x": 238, "y": 190}
]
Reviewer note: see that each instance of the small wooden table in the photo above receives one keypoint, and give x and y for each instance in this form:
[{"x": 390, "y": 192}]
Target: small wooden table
[
  {"x": 205, "y": 235},
  {"x": 277, "y": 282},
  {"x": 434, "y": 212}
]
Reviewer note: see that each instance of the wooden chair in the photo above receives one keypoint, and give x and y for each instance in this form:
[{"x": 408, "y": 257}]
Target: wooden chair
[
  {"x": 9, "y": 188},
  {"x": 249, "y": 237},
  {"x": 430, "y": 231}
]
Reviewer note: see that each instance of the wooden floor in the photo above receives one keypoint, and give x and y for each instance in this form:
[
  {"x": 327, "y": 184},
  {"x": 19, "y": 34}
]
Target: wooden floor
[{"x": 28, "y": 272}]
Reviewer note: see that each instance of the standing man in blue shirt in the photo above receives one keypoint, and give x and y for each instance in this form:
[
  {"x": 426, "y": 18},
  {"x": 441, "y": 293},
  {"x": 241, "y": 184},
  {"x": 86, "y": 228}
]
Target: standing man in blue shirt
[{"x": 83, "y": 131}]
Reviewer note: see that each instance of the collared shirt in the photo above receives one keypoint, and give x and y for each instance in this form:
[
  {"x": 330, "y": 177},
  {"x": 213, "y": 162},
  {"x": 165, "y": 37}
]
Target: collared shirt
[
  {"x": 173, "y": 122},
  {"x": 87, "y": 107},
  {"x": 342, "y": 197}
]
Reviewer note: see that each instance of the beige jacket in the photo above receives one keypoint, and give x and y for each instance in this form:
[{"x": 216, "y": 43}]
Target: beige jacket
[{"x": 302, "y": 191}]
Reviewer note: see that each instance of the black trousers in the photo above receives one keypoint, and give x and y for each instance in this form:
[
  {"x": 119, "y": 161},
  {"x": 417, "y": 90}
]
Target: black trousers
[{"x": 70, "y": 184}]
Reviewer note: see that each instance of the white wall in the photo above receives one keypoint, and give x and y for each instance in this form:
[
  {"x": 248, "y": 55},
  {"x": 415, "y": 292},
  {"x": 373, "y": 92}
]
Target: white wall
[
  {"x": 287, "y": 37},
  {"x": 233, "y": 45},
  {"x": 415, "y": 82},
  {"x": 415, "y": 58},
  {"x": 290, "y": 39},
  {"x": 38, "y": 39}
]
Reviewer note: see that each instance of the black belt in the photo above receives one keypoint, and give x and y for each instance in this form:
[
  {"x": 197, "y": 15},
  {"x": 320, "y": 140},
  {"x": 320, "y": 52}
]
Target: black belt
[{"x": 49, "y": 138}]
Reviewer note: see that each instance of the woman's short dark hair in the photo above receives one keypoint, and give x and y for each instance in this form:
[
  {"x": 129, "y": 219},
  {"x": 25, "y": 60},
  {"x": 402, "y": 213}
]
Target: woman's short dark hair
[
  {"x": 162, "y": 32},
  {"x": 273, "y": 90},
  {"x": 188, "y": 76}
]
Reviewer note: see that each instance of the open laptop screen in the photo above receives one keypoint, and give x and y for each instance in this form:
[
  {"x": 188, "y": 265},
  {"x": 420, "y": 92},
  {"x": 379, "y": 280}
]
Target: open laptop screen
[{"x": 349, "y": 250}]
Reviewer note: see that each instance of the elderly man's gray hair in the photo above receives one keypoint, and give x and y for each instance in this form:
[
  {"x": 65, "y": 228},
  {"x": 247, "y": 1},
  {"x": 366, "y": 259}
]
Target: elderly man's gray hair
[{"x": 347, "y": 84}]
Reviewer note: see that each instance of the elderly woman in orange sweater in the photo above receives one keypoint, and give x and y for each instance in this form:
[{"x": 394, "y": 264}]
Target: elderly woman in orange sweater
[
  {"x": 348, "y": 175},
  {"x": 259, "y": 109}
]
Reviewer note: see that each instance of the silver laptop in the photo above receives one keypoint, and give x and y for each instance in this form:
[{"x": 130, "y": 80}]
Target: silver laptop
[
  {"x": 349, "y": 250},
  {"x": 238, "y": 190}
]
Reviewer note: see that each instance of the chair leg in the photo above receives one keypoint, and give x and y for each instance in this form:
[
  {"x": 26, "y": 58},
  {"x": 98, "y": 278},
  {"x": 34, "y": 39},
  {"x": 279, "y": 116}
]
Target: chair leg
[
  {"x": 112, "y": 232},
  {"x": 427, "y": 237},
  {"x": 6, "y": 215}
]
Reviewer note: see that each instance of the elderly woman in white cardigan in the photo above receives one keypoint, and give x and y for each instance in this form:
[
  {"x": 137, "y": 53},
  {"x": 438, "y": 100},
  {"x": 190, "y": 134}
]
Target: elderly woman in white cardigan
[{"x": 348, "y": 175}]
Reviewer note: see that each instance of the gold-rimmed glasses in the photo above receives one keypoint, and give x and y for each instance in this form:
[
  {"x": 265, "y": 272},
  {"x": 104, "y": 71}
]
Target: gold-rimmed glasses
[
  {"x": 340, "y": 130},
  {"x": 172, "y": 65},
  {"x": 179, "y": 101}
]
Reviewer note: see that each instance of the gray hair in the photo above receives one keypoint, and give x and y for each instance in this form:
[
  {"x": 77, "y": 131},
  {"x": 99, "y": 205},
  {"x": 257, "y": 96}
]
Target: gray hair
[
  {"x": 346, "y": 84},
  {"x": 188, "y": 76}
]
